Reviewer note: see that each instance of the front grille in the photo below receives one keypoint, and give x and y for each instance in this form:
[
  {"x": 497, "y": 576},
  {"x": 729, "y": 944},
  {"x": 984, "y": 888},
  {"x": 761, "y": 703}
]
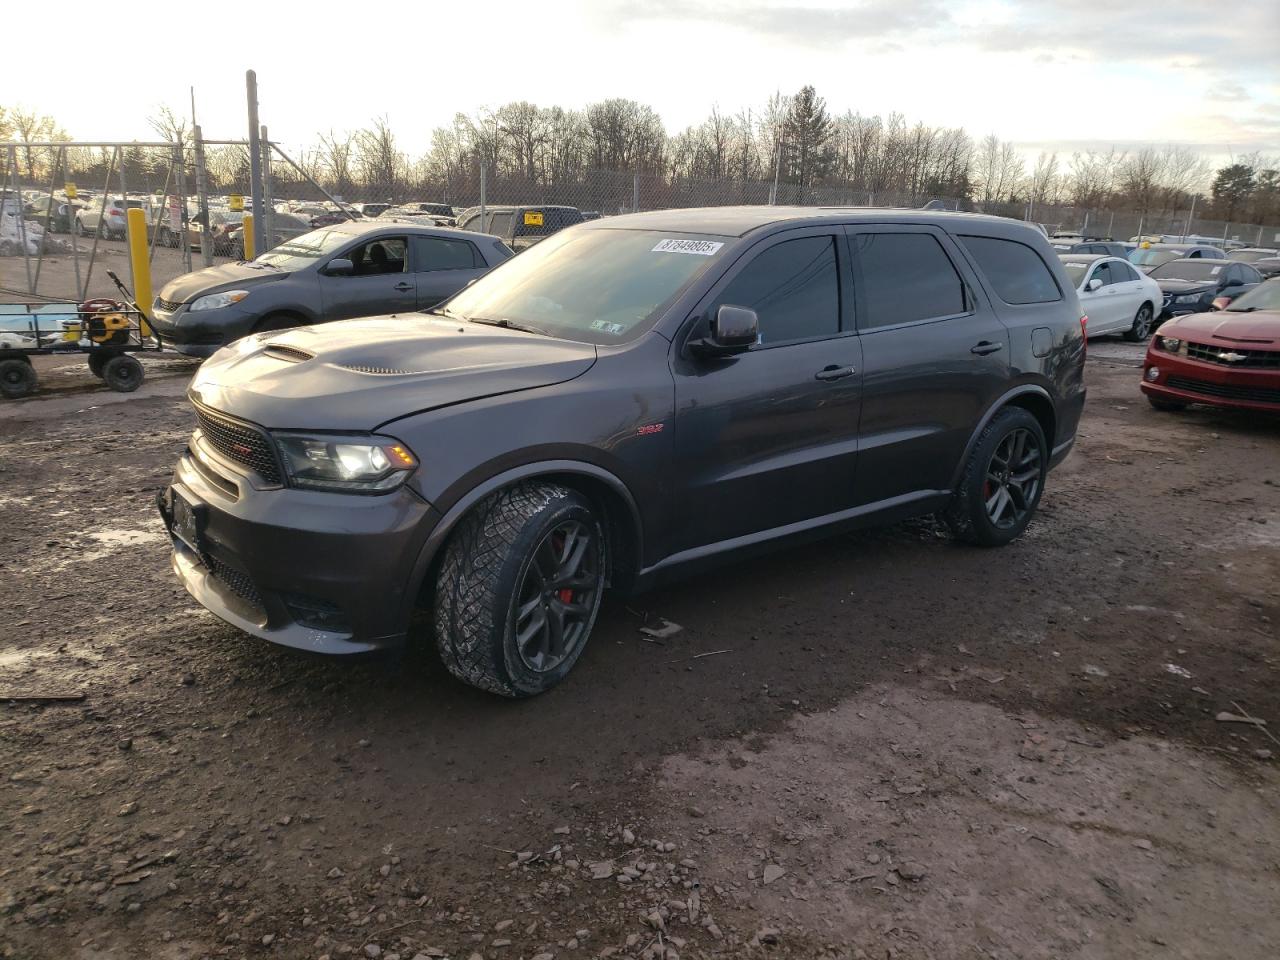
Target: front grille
[
  {"x": 1266, "y": 359},
  {"x": 1226, "y": 391},
  {"x": 168, "y": 306},
  {"x": 241, "y": 584},
  {"x": 240, "y": 442}
]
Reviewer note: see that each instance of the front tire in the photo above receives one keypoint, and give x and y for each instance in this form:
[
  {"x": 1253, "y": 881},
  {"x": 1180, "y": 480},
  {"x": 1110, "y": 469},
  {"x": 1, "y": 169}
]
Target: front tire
[
  {"x": 1141, "y": 328},
  {"x": 519, "y": 589},
  {"x": 1002, "y": 481}
]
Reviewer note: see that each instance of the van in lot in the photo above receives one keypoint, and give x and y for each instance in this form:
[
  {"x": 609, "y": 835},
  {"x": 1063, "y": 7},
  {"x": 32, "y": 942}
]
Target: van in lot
[{"x": 631, "y": 399}]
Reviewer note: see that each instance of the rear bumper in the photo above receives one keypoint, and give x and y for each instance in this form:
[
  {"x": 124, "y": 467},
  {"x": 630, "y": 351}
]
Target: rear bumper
[
  {"x": 321, "y": 572},
  {"x": 1192, "y": 381}
]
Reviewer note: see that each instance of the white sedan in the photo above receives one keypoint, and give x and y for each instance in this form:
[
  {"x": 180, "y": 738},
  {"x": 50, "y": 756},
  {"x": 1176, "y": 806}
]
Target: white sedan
[{"x": 1115, "y": 297}]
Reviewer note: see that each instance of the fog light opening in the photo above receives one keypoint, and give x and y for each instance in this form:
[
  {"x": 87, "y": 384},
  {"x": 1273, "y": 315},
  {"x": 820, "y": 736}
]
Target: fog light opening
[{"x": 1153, "y": 374}]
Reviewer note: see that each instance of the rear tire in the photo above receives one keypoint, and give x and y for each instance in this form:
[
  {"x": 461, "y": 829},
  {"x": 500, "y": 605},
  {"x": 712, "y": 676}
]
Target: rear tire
[
  {"x": 519, "y": 589},
  {"x": 1142, "y": 322},
  {"x": 1003, "y": 479},
  {"x": 123, "y": 373},
  {"x": 1166, "y": 406},
  {"x": 17, "y": 378}
]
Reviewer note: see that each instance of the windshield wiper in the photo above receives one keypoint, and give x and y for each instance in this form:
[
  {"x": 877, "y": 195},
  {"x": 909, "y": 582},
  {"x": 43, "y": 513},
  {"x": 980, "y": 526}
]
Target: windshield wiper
[{"x": 509, "y": 325}]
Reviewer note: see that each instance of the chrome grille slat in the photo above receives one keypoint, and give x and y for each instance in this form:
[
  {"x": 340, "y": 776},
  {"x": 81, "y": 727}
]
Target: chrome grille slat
[
  {"x": 169, "y": 306},
  {"x": 240, "y": 442}
]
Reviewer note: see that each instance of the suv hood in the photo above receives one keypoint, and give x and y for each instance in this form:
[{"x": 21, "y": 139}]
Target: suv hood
[
  {"x": 225, "y": 276},
  {"x": 1261, "y": 328},
  {"x": 1180, "y": 287},
  {"x": 360, "y": 374}
]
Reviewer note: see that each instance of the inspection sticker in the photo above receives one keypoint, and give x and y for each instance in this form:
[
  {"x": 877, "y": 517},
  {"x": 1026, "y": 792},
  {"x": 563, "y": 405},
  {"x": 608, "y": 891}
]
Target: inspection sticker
[{"x": 703, "y": 248}]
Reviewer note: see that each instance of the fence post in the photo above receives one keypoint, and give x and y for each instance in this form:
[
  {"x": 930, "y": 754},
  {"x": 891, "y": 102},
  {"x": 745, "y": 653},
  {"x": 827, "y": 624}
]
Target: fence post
[
  {"x": 635, "y": 193},
  {"x": 483, "y": 185},
  {"x": 255, "y": 159},
  {"x": 1187, "y": 229},
  {"x": 19, "y": 224},
  {"x": 1141, "y": 220},
  {"x": 268, "y": 205},
  {"x": 71, "y": 222},
  {"x": 249, "y": 236},
  {"x": 202, "y": 198},
  {"x": 136, "y": 228},
  {"x": 180, "y": 188}
]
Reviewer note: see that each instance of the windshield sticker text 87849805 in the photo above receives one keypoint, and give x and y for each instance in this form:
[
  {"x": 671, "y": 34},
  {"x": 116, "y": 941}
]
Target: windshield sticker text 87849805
[{"x": 703, "y": 248}]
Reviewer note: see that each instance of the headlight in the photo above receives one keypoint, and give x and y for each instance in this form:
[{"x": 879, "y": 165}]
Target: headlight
[
  {"x": 368, "y": 464},
  {"x": 1170, "y": 344},
  {"x": 215, "y": 300},
  {"x": 1188, "y": 298}
]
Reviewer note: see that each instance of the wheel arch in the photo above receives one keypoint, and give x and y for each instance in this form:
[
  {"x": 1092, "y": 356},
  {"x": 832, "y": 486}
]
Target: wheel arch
[
  {"x": 1031, "y": 397},
  {"x": 606, "y": 492}
]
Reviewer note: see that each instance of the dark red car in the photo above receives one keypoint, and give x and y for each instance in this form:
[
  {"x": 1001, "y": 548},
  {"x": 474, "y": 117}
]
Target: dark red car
[{"x": 1226, "y": 358}]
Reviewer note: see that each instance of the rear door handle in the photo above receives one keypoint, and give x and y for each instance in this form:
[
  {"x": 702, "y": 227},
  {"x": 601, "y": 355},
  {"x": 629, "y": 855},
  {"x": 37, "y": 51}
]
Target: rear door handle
[
  {"x": 985, "y": 347},
  {"x": 402, "y": 286},
  {"x": 833, "y": 373}
]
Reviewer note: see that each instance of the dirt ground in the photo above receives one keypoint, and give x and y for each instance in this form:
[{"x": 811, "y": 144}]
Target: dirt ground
[{"x": 882, "y": 746}]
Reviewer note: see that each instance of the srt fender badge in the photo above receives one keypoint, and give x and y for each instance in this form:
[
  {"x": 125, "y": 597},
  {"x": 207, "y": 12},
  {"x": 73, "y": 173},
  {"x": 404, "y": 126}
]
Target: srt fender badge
[{"x": 649, "y": 429}]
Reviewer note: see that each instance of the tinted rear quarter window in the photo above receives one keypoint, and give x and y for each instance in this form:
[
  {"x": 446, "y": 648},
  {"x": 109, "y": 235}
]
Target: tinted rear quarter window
[
  {"x": 438, "y": 253},
  {"x": 906, "y": 277},
  {"x": 1014, "y": 270},
  {"x": 500, "y": 224}
]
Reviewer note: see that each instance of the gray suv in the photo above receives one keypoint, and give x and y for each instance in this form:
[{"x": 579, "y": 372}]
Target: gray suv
[
  {"x": 629, "y": 400},
  {"x": 352, "y": 269}
]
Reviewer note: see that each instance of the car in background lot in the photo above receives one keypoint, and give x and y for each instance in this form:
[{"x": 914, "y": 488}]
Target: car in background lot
[
  {"x": 521, "y": 227},
  {"x": 229, "y": 239},
  {"x": 630, "y": 398},
  {"x": 1115, "y": 296},
  {"x": 1106, "y": 248},
  {"x": 1268, "y": 267},
  {"x": 1225, "y": 358},
  {"x": 1254, "y": 254},
  {"x": 1193, "y": 286},
  {"x": 352, "y": 269},
  {"x": 58, "y": 212},
  {"x": 370, "y": 209},
  {"x": 1148, "y": 256},
  {"x": 105, "y": 216}
]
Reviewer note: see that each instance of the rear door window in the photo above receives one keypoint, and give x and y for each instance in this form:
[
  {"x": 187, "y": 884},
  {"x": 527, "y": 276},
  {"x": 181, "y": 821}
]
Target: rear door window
[
  {"x": 439, "y": 253},
  {"x": 1015, "y": 271},
  {"x": 793, "y": 288},
  {"x": 906, "y": 277}
]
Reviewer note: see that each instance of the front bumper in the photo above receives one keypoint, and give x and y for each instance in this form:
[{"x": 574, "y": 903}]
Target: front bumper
[
  {"x": 1186, "y": 380},
  {"x": 322, "y": 572},
  {"x": 1170, "y": 309},
  {"x": 203, "y": 333}
]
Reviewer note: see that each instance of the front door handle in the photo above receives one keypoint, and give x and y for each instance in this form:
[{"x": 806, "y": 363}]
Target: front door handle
[
  {"x": 403, "y": 287},
  {"x": 833, "y": 373},
  {"x": 985, "y": 347}
]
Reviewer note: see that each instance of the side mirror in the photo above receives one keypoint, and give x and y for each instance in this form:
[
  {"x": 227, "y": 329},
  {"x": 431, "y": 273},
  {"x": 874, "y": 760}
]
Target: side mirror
[
  {"x": 733, "y": 330},
  {"x": 1094, "y": 284},
  {"x": 339, "y": 267}
]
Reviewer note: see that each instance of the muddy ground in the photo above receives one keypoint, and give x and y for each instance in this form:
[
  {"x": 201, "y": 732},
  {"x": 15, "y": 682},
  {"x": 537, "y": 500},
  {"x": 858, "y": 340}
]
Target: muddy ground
[{"x": 885, "y": 745}]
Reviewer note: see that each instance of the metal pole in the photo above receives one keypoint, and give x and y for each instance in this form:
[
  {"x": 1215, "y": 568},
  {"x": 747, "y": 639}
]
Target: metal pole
[
  {"x": 255, "y": 159},
  {"x": 48, "y": 217},
  {"x": 1111, "y": 225},
  {"x": 1084, "y": 231},
  {"x": 202, "y": 198},
  {"x": 71, "y": 223},
  {"x": 1225, "y": 227},
  {"x": 1187, "y": 229},
  {"x": 302, "y": 173},
  {"x": 483, "y": 186},
  {"x": 635, "y": 193},
  {"x": 155, "y": 215},
  {"x": 20, "y": 225},
  {"x": 1141, "y": 220},
  {"x": 97, "y": 234},
  {"x": 268, "y": 201},
  {"x": 180, "y": 187}
]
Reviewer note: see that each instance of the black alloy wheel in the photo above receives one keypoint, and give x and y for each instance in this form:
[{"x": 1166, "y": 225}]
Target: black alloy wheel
[
  {"x": 1013, "y": 478},
  {"x": 556, "y": 599}
]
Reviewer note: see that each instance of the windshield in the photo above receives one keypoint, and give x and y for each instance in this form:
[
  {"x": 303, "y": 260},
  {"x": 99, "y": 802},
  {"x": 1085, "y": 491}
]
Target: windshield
[
  {"x": 598, "y": 286},
  {"x": 1252, "y": 256},
  {"x": 1151, "y": 257},
  {"x": 1265, "y": 296},
  {"x": 301, "y": 252},
  {"x": 1076, "y": 270},
  {"x": 1188, "y": 270}
]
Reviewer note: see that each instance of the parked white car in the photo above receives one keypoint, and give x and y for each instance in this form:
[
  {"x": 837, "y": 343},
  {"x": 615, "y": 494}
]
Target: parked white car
[{"x": 1115, "y": 296}]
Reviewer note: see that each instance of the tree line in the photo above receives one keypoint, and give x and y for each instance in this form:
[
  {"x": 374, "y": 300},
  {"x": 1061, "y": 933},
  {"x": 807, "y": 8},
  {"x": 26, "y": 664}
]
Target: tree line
[{"x": 793, "y": 141}]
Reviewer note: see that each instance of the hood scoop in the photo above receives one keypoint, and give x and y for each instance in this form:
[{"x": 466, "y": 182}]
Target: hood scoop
[{"x": 282, "y": 351}]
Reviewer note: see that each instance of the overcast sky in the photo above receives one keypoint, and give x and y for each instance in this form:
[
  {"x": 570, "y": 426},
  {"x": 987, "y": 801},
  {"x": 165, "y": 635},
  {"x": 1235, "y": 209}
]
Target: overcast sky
[{"x": 1065, "y": 74}]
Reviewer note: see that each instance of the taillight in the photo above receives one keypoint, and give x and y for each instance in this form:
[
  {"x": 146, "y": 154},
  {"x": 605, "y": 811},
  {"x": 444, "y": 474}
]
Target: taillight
[{"x": 1084, "y": 332}]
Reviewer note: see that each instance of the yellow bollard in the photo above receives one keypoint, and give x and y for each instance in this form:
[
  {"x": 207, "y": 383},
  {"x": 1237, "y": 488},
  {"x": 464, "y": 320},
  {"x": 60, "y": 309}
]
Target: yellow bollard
[
  {"x": 247, "y": 232},
  {"x": 136, "y": 223}
]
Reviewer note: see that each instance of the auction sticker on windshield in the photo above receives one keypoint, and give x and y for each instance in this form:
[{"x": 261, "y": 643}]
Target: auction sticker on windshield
[{"x": 703, "y": 248}]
